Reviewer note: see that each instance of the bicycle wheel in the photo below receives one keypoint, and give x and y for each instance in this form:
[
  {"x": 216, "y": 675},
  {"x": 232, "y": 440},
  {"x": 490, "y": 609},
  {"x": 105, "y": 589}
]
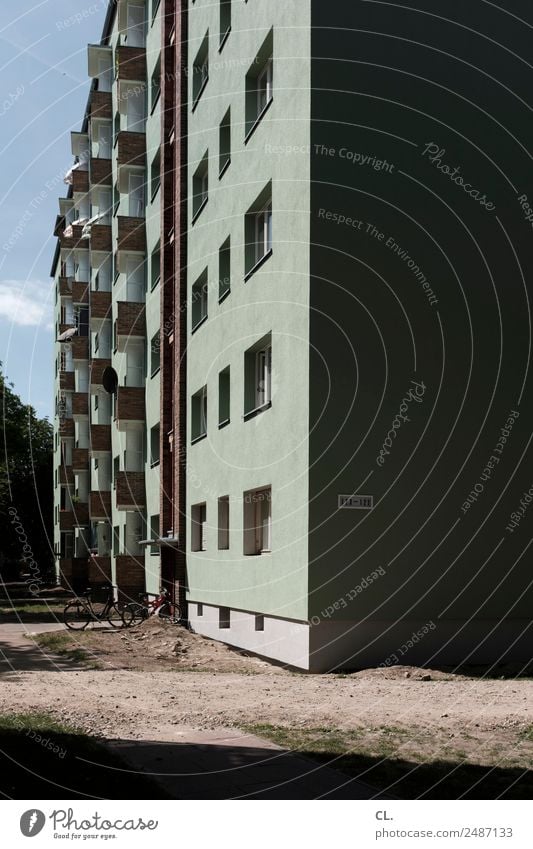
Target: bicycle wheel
[
  {"x": 133, "y": 614},
  {"x": 76, "y": 615},
  {"x": 170, "y": 613},
  {"x": 115, "y": 616}
]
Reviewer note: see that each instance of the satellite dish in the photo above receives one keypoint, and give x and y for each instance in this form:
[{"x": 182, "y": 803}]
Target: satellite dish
[
  {"x": 68, "y": 334},
  {"x": 110, "y": 380}
]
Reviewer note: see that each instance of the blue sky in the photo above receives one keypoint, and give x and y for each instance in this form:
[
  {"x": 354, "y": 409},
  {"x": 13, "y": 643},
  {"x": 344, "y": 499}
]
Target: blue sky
[{"x": 43, "y": 92}]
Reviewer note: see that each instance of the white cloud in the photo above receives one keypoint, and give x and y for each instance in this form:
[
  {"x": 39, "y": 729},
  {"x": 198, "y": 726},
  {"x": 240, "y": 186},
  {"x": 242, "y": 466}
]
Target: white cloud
[{"x": 26, "y": 303}]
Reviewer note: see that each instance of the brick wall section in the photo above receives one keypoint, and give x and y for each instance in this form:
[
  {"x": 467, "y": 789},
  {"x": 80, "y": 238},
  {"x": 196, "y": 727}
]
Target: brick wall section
[
  {"x": 66, "y": 380},
  {"x": 80, "y": 404},
  {"x": 131, "y": 149},
  {"x": 66, "y": 520},
  {"x": 101, "y": 304},
  {"x": 80, "y": 181},
  {"x": 65, "y": 289},
  {"x": 81, "y": 514},
  {"x": 99, "y": 570},
  {"x": 131, "y": 63},
  {"x": 80, "y": 292},
  {"x": 100, "y": 504},
  {"x": 80, "y": 459},
  {"x": 100, "y": 437},
  {"x": 97, "y": 368},
  {"x": 131, "y": 319},
  {"x": 74, "y": 573},
  {"x": 131, "y": 234},
  {"x": 101, "y": 237},
  {"x": 80, "y": 347},
  {"x": 100, "y": 104},
  {"x": 101, "y": 172},
  {"x": 66, "y": 427},
  {"x": 130, "y": 576},
  {"x": 130, "y": 490},
  {"x": 66, "y": 474},
  {"x": 75, "y": 241},
  {"x": 130, "y": 403}
]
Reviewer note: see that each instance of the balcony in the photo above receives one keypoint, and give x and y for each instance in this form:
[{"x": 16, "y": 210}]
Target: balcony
[
  {"x": 99, "y": 570},
  {"x": 80, "y": 347},
  {"x": 66, "y": 474},
  {"x": 97, "y": 371},
  {"x": 80, "y": 181},
  {"x": 130, "y": 576},
  {"x": 66, "y": 427},
  {"x": 131, "y": 149},
  {"x": 74, "y": 573},
  {"x": 100, "y": 504},
  {"x": 130, "y": 63},
  {"x": 101, "y": 238},
  {"x": 66, "y": 520},
  {"x": 130, "y": 405},
  {"x": 80, "y": 292},
  {"x": 80, "y": 459},
  {"x": 80, "y": 405},
  {"x": 101, "y": 172},
  {"x": 64, "y": 326},
  {"x": 100, "y": 438},
  {"x": 131, "y": 234},
  {"x": 65, "y": 287},
  {"x": 130, "y": 490},
  {"x": 81, "y": 514},
  {"x": 131, "y": 320},
  {"x": 74, "y": 242},
  {"x": 100, "y": 104},
  {"x": 66, "y": 380},
  {"x": 101, "y": 305}
]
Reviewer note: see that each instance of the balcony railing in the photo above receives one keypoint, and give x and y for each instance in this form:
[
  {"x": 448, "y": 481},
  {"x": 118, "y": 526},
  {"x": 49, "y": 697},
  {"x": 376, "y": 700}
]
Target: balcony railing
[
  {"x": 100, "y": 104},
  {"x": 130, "y": 63},
  {"x": 66, "y": 427},
  {"x": 101, "y": 171},
  {"x": 130, "y": 405},
  {"x": 130, "y": 574},
  {"x": 131, "y": 149},
  {"x": 66, "y": 380},
  {"x": 130, "y": 490},
  {"x": 100, "y": 504},
  {"x": 80, "y": 292},
  {"x": 101, "y": 238},
  {"x": 65, "y": 287},
  {"x": 131, "y": 319},
  {"x": 131, "y": 234},
  {"x": 100, "y": 438},
  {"x": 80, "y": 181},
  {"x": 80, "y": 347},
  {"x": 75, "y": 241},
  {"x": 80, "y": 459},
  {"x": 80, "y": 405},
  {"x": 99, "y": 569},
  {"x": 81, "y": 514},
  {"x": 74, "y": 573},
  {"x": 100, "y": 304},
  {"x": 66, "y": 474},
  {"x": 66, "y": 520},
  {"x": 97, "y": 371}
]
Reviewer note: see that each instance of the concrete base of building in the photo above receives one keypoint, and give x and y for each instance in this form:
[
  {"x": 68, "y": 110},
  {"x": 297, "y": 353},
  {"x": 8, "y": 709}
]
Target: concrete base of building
[{"x": 333, "y": 645}]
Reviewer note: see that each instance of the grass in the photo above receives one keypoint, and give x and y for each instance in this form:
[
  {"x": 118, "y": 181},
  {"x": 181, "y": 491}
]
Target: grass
[
  {"x": 60, "y": 643},
  {"x": 394, "y": 761},
  {"x": 43, "y": 758}
]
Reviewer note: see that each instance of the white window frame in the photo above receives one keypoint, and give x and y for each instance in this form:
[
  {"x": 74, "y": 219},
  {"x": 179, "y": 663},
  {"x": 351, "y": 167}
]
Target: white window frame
[
  {"x": 265, "y": 86},
  {"x": 263, "y": 377},
  {"x": 263, "y": 232}
]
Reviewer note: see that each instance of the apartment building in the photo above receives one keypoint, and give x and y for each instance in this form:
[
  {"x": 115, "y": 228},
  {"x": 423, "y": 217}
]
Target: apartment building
[
  {"x": 107, "y": 268},
  {"x": 273, "y": 401}
]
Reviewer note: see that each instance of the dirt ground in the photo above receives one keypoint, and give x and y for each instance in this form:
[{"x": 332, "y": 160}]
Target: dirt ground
[{"x": 151, "y": 681}]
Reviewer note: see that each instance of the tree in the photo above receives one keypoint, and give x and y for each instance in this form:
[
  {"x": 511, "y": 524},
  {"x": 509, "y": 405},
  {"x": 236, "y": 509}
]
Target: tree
[{"x": 26, "y": 488}]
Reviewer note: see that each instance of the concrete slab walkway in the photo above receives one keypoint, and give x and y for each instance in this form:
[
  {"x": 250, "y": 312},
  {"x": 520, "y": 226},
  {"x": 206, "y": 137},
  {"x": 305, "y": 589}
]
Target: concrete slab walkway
[{"x": 18, "y": 653}]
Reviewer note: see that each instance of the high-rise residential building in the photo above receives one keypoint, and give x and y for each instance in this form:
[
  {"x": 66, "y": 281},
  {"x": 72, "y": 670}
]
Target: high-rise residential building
[{"x": 292, "y": 267}]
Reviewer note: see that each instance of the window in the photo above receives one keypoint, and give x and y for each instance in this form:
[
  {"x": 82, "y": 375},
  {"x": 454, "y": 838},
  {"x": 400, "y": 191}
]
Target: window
[
  {"x": 154, "y": 445},
  {"x": 96, "y": 342},
  {"x": 155, "y": 7},
  {"x": 224, "y": 617},
  {"x": 258, "y": 231},
  {"x": 225, "y": 21},
  {"x": 258, "y": 377},
  {"x": 259, "y": 622},
  {"x": 259, "y": 85},
  {"x": 257, "y": 517},
  {"x": 155, "y": 85},
  {"x": 199, "y": 414},
  {"x": 200, "y": 187},
  {"x": 199, "y": 300},
  {"x": 95, "y": 403},
  {"x": 116, "y": 540},
  {"x": 224, "y": 143},
  {"x": 154, "y": 533},
  {"x": 199, "y": 609},
  {"x": 102, "y": 140},
  {"x": 200, "y": 71},
  {"x": 198, "y": 527},
  {"x": 155, "y": 267},
  {"x": 155, "y": 174},
  {"x": 223, "y": 523},
  {"x": 224, "y": 397},
  {"x": 136, "y": 182},
  {"x": 224, "y": 270},
  {"x": 116, "y": 469},
  {"x": 155, "y": 354}
]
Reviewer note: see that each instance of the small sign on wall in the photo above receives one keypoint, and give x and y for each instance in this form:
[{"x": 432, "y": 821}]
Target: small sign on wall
[{"x": 356, "y": 502}]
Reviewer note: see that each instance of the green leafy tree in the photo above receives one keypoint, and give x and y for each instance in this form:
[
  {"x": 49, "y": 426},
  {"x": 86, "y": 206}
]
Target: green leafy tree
[{"x": 26, "y": 486}]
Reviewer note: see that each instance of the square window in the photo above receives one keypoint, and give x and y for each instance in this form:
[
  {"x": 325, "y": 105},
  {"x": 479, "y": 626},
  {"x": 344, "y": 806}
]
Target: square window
[
  {"x": 200, "y": 187},
  {"x": 223, "y": 523},
  {"x": 258, "y": 377},
  {"x": 224, "y": 269},
  {"x": 199, "y": 414},
  {"x": 199, "y": 300},
  {"x": 224, "y": 143},
  {"x": 258, "y": 231},
  {"x": 198, "y": 527},
  {"x": 200, "y": 70},
  {"x": 259, "y": 85},
  {"x": 224, "y": 397},
  {"x": 257, "y": 521}
]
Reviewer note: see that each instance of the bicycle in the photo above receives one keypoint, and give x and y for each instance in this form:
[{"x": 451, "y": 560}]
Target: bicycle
[
  {"x": 82, "y": 610},
  {"x": 151, "y": 604}
]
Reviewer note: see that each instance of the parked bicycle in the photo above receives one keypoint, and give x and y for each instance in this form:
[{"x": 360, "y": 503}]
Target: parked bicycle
[
  {"x": 84, "y": 609},
  {"x": 151, "y": 604}
]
